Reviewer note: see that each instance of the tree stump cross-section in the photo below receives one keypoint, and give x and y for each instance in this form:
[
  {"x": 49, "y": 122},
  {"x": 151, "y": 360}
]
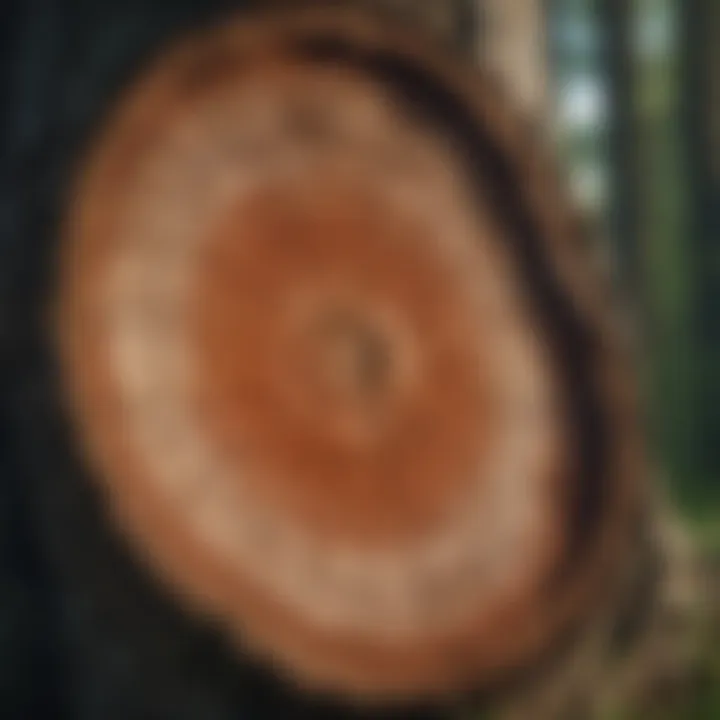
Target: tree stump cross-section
[{"x": 336, "y": 358}]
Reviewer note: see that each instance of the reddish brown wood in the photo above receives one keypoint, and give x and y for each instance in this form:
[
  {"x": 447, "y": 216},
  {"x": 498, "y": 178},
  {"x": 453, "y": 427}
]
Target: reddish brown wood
[{"x": 338, "y": 397}]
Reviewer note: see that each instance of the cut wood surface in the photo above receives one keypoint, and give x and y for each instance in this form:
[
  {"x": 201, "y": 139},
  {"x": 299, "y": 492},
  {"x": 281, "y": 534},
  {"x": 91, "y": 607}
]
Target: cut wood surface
[{"x": 338, "y": 359}]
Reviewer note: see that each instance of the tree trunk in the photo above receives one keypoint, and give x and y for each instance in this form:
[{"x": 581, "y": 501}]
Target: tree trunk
[{"x": 153, "y": 622}]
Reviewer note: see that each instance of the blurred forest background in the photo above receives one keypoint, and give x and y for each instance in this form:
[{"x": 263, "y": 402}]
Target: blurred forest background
[{"x": 636, "y": 94}]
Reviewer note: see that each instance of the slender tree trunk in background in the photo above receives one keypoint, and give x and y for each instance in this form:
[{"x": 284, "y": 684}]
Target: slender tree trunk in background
[
  {"x": 700, "y": 124},
  {"x": 513, "y": 45},
  {"x": 617, "y": 18}
]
